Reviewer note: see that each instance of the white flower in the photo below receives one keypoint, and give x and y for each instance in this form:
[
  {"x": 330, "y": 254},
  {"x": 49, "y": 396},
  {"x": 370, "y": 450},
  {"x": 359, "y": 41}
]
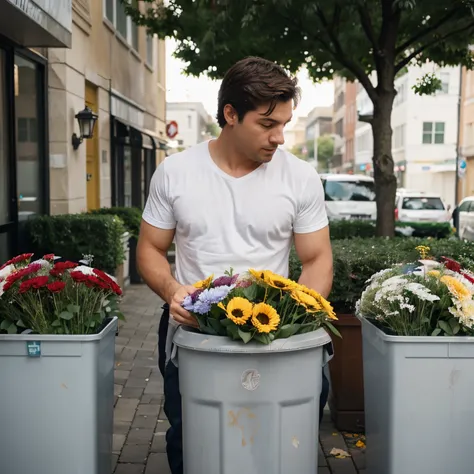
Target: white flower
[
  {"x": 84, "y": 269},
  {"x": 2, "y": 284},
  {"x": 421, "y": 292},
  {"x": 4, "y": 272},
  {"x": 377, "y": 275}
]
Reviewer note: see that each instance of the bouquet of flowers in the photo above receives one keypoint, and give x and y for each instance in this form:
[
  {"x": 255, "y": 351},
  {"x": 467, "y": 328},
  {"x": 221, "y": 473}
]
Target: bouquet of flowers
[
  {"x": 45, "y": 297},
  {"x": 257, "y": 305},
  {"x": 427, "y": 298}
]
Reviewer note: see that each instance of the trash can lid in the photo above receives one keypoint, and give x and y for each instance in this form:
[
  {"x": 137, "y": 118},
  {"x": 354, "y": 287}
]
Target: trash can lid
[{"x": 189, "y": 338}]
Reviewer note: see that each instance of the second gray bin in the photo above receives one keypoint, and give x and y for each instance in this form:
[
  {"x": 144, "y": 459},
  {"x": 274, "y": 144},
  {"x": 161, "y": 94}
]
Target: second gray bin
[
  {"x": 419, "y": 403},
  {"x": 56, "y": 403},
  {"x": 250, "y": 408}
]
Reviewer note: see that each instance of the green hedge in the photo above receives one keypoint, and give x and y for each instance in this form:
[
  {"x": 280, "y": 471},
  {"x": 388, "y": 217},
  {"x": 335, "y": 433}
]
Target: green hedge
[
  {"x": 71, "y": 236},
  {"x": 131, "y": 217},
  {"x": 348, "y": 229},
  {"x": 357, "y": 259}
]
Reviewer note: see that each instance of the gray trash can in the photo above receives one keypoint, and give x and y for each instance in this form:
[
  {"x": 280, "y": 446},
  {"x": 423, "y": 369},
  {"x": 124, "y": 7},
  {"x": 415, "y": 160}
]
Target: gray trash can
[
  {"x": 56, "y": 403},
  {"x": 250, "y": 408},
  {"x": 419, "y": 409}
]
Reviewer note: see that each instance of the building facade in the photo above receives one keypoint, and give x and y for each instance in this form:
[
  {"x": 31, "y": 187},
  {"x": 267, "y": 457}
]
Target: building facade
[
  {"x": 192, "y": 119},
  {"x": 318, "y": 123},
  {"x": 27, "y": 29},
  {"x": 425, "y": 131},
  {"x": 466, "y": 137}
]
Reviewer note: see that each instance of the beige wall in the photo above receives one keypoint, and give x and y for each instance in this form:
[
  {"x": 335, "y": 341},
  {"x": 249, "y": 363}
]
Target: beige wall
[
  {"x": 466, "y": 130},
  {"x": 102, "y": 57}
]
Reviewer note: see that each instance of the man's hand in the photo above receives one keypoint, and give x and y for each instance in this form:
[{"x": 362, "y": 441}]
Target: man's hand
[{"x": 177, "y": 312}]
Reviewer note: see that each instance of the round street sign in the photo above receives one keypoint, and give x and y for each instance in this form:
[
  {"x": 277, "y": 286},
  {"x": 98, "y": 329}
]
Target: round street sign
[{"x": 172, "y": 129}]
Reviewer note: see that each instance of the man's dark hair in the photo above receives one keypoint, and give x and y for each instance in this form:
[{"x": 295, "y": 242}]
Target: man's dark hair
[{"x": 253, "y": 82}]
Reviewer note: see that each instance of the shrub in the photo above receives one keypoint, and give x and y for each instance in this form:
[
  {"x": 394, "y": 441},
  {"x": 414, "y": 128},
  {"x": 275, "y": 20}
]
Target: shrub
[
  {"x": 131, "y": 217},
  {"x": 73, "y": 236},
  {"x": 357, "y": 259}
]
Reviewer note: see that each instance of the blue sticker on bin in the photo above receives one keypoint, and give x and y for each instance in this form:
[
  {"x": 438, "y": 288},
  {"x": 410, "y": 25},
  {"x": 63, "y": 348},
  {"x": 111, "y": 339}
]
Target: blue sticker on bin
[{"x": 33, "y": 348}]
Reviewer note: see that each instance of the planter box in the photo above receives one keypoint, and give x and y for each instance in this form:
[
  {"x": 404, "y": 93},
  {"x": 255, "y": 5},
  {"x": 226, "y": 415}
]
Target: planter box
[
  {"x": 123, "y": 270},
  {"x": 56, "y": 403},
  {"x": 418, "y": 403},
  {"x": 250, "y": 408},
  {"x": 346, "y": 400}
]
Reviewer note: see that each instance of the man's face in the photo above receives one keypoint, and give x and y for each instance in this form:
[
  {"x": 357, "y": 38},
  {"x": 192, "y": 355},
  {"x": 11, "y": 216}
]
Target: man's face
[{"x": 259, "y": 135}]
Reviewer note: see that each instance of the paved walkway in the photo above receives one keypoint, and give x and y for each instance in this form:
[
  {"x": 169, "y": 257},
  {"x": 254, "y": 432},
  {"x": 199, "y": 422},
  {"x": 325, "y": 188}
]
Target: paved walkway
[{"x": 140, "y": 423}]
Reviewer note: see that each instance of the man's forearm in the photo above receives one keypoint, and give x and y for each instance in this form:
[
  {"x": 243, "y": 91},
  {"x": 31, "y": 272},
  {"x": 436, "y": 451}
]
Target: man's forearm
[
  {"x": 155, "y": 270},
  {"x": 318, "y": 275}
]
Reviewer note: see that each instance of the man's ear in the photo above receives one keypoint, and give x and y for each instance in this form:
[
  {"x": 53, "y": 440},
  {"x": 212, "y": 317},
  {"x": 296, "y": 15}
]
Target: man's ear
[{"x": 230, "y": 115}]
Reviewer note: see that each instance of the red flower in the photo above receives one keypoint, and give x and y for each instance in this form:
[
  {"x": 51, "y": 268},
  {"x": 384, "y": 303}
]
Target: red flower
[
  {"x": 56, "y": 286},
  {"x": 93, "y": 281},
  {"x": 451, "y": 264},
  {"x": 468, "y": 277},
  {"x": 18, "y": 275},
  {"x": 48, "y": 256},
  {"x": 36, "y": 283},
  {"x": 111, "y": 283},
  {"x": 60, "y": 267},
  {"x": 78, "y": 277},
  {"x": 18, "y": 259}
]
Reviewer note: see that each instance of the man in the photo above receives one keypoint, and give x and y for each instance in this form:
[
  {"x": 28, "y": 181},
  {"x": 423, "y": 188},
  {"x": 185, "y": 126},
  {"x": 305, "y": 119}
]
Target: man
[{"x": 237, "y": 201}]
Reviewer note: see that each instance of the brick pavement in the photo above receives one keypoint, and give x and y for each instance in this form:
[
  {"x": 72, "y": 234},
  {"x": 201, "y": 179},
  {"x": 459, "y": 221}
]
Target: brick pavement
[{"x": 139, "y": 421}]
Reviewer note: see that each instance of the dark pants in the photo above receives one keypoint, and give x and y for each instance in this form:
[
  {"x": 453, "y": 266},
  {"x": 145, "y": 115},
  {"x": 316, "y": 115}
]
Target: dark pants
[{"x": 172, "y": 406}]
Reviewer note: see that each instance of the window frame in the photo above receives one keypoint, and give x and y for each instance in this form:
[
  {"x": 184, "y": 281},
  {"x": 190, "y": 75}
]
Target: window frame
[
  {"x": 132, "y": 34},
  {"x": 433, "y": 133}
]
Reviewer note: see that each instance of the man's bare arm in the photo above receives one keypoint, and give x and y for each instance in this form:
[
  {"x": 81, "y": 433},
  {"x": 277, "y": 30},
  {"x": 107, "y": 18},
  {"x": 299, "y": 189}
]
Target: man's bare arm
[
  {"x": 153, "y": 266},
  {"x": 315, "y": 252}
]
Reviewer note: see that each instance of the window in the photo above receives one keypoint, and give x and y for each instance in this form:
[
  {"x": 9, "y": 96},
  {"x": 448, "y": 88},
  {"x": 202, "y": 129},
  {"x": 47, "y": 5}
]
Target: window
[
  {"x": 150, "y": 50},
  {"x": 349, "y": 190},
  {"x": 189, "y": 121},
  {"x": 423, "y": 204},
  {"x": 109, "y": 10},
  {"x": 120, "y": 18},
  {"x": 399, "y": 136},
  {"x": 27, "y": 130},
  {"x": 340, "y": 127},
  {"x": 466, "y": 206},
  {"x": 134, "y": 29},
  {"x": 444, "y": 76},
  {"x": 401, "y": 94},
  {"x": 433, "y": 132},
  {"x": 114, "y": 11}
]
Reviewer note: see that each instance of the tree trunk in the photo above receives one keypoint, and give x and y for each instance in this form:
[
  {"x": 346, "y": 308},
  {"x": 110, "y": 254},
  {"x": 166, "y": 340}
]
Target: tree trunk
[{"x": 385, "y": 181}]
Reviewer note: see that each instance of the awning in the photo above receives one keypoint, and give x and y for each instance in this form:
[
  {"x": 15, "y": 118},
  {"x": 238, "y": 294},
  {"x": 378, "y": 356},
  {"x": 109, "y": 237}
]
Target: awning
[
  {"x": 39, "y": 23},
  {"x": 137, "y": 136}
]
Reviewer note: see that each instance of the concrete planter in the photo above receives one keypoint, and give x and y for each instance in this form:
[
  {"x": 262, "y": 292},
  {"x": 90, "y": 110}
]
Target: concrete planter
[
  {"x": 418, "y": 403},
  {"x": 250, "y": 408},
  {"x": 56, "y": 403}
]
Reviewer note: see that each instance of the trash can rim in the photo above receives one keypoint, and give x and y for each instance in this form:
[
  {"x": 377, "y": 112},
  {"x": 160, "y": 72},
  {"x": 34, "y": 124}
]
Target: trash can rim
[{"x": 189, "y": 338}]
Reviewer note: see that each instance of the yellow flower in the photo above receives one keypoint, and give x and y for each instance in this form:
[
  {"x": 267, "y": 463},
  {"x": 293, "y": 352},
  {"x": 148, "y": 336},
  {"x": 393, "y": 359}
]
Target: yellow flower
[
  {"x": 203, "y": 284},
  {"x": 324, "y": 304},
  {"x": 239, "y": 310},
  {"x": 308, "y": 301},
  {"x": 423, "y": 250},
  {"x": 265, "y": 318},
  {"x": 434, "y": 273},
  {"x": 279, "y": 282},
  {"x": 456, "y": 287},
  {"x": 259, "y": 275}
]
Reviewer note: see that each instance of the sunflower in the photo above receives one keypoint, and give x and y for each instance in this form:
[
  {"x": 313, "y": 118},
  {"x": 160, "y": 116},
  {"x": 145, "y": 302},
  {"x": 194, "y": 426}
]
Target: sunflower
[
  {"x": 204, "y": 283},
  {"x": 259, "y": 275},
  {"x": 434, "y": 273},
  {"x": 324, "y": 304},
  {"x": 456, "y": 287},
  {"x": 308, "y": 301},
  {"x": 265, "y": 318},
  {"x": 239, "y": 310},
  {"x": 279, "y": 282}
]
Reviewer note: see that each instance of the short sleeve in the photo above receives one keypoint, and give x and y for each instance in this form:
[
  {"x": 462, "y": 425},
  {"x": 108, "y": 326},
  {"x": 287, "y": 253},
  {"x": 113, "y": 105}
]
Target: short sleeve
[
  {"x": 158, "y": 210},
  {"x": 311, "y": 214}
]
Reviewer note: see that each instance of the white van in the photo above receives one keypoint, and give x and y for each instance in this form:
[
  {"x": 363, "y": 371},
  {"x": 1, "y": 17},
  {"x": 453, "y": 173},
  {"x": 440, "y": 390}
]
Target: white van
[
  {"x": 419, "y": 206},
  {"x": 349, "y": 196}
]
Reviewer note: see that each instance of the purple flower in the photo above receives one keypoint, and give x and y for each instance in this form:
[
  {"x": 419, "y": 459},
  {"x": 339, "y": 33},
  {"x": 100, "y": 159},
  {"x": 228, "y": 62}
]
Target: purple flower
[
  {"x": 188, "y": 303},
  {"x": 223, "y": 281},
  {"x": 201, "y": 307},
  {"x": 200, "y": 301},
  {"x": 195, "y": 295},
  {"x": 215, "y": 295}
]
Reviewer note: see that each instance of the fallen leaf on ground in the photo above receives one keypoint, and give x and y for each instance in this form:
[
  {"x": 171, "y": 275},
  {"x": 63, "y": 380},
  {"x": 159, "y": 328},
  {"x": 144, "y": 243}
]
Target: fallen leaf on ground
[
  {"x": 360, "y": 444},
  {"x": 339, "y": 453}
]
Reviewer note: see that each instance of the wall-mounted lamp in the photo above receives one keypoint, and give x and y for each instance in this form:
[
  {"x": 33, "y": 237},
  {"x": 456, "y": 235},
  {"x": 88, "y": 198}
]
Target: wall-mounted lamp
[{"x": 87, "y": 120}]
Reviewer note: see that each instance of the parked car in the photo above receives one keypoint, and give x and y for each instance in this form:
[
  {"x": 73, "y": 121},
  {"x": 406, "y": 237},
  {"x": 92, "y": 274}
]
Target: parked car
[
  {"x": 349, "y": 196},
  {"x": 419, "y": 206},
  {"x": 463, "y": 218}
]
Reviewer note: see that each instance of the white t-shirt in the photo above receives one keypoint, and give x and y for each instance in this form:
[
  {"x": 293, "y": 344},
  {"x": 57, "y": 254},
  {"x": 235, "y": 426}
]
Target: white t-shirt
[{"x": 223, "y": 222}]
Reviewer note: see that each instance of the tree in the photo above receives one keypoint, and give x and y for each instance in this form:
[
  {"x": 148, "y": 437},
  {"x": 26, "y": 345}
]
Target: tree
[
  {"x": 325, "y": 152},
  {"x": 350, "y": 38},
  {"x": 213, "y": 129}
]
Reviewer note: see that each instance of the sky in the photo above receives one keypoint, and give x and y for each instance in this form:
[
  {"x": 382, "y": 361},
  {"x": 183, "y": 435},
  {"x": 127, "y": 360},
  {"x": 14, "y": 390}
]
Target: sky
[{"x": 181, "y": 88}]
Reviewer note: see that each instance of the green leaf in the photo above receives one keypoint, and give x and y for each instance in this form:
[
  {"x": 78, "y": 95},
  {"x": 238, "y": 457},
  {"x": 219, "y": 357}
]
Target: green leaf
[
  {"x": 333, "y": 329},
  {"x": 436, "y": 332},
  {"x": 12, "y": 329},
  {"x": 263, "y": 338},
  {"x": 5, "y": 324},
  {"x": 251, "y": 292},
  {"x": 455, "y": 327},
  {"x": 225, "y": 322},
  {"x": 445, "y": 327},
  {"x": 20, "y": 324},
  {"x": 233, "y": 332},
  {"x": 66, "y": 315},
  {"x": 56, "y": 323},
  {"x": 72, "y": 308},
  {"x": 245, "y": 336},
  {"x": 216, "y": 325},
  {"x": 287, "y": 331}
]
